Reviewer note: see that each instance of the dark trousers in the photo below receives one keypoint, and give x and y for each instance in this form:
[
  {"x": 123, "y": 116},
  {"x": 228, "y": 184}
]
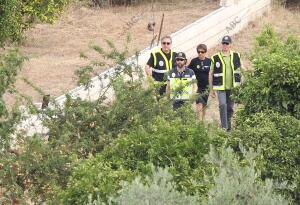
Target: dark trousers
[{"x": 225, "y": 108}]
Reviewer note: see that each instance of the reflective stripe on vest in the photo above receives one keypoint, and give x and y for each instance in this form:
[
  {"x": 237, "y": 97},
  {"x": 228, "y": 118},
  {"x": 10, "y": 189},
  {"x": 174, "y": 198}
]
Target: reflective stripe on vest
[
  {"x": 168, "y": 64},
  {"x": 181, "y": 88},
  {"x": 223, "y": 71},
  {"x": 159, "y": 71}
]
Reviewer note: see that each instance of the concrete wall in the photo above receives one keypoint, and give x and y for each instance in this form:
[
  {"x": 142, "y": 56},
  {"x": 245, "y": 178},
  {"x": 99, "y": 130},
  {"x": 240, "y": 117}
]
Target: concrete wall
[{"x": 231, "y": 18}]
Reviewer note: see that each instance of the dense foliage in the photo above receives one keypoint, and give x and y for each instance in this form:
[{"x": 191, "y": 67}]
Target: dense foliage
[
  {"x": 233, "y": 184},
  {"x": 16, "y": 16},
  {"x": 275, "y": 82},
  {"x": 10, "y": 64},
  {"x": 93, "y": 147}
]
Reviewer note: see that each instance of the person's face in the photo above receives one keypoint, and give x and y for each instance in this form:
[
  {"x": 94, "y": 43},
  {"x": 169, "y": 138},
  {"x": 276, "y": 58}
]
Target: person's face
[
  {"x": 201, "y": 53},
  {"x": 166, "y": 44},
  {"x": 180, "y": 62},
  {"x": 226, "y": 46}
]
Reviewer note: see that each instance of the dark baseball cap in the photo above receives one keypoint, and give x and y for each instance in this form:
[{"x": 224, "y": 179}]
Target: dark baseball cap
[
  {"x": 181, "y": 55},
  {"x": 226, "y": 39}
]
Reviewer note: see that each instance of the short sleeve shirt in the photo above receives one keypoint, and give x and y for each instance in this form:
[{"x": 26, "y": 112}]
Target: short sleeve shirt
[{"x": 201, "y": 69}]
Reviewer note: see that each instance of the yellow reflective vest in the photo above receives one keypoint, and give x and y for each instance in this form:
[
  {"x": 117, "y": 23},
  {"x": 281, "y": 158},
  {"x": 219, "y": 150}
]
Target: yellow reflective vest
[
  {"x": 181, "y": 84},
  {"x": 219, "y": 72}
]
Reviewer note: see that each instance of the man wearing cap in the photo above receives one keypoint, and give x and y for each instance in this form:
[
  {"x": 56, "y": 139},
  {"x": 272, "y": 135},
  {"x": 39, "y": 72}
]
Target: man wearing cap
[
  {"x": 181, "y": 84},
  {"x": 224, "y": 75},
  {"x": 161, "y": 61}
]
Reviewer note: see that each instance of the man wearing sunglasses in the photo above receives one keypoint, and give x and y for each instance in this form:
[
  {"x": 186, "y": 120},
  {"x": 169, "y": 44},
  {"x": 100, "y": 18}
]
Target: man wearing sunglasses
[
  {"x": 181, "y": 82},
  {"x": 160, "y": 63},
  {"x": 201, "y": 65},
  {"x": 224, "y": 75}
]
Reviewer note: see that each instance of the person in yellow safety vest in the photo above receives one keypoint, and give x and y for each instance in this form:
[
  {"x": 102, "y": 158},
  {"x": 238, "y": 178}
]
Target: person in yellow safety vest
[
  {"x": 181, "y": 84},
  {"x": 161, "y": 61},
  {"x": 225, "y": 74}
]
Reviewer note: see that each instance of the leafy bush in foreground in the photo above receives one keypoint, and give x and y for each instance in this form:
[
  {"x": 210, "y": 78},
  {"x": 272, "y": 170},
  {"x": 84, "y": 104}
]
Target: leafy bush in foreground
[
  {"x": 275, "y": 81},
  {"x": 277, "y": 137},
  {"x": 235, "y": 182},
  {"x": 239, "y": 183}
]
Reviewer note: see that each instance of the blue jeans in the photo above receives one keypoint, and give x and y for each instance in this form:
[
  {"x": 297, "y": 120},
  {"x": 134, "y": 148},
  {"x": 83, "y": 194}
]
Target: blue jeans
[{"x": 225, "y": 108}]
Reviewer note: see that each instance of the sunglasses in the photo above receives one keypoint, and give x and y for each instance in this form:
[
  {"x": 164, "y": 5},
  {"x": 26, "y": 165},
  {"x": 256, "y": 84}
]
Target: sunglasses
[
  {"x": 180, "y": 59},
  {"x": 166, "y": 43},
  {"x": 225, "y": 43},
  {"x": 201, "y": 52}
]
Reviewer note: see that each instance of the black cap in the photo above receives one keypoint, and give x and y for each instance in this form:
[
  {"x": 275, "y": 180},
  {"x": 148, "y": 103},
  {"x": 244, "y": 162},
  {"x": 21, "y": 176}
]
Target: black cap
[
  {"x": 181, "y": 55},
  {"x": 226, "y": 39}
]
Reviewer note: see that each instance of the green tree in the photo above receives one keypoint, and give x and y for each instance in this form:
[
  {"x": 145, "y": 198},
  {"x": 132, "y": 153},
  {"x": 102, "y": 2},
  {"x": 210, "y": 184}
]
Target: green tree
[
  {"x": 16, "y": 16},
  {"x": 275, "y": 81},
  {"x": 10, "y": 64}
]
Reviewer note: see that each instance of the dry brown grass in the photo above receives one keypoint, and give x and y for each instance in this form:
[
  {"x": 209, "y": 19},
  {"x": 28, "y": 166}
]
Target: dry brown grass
[
  {"x": 54, "y": 49},
  {"x": 284, "y": 21}
]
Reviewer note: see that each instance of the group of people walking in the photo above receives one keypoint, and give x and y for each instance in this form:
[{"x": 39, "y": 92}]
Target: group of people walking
[{"x": 204, "y": 76}]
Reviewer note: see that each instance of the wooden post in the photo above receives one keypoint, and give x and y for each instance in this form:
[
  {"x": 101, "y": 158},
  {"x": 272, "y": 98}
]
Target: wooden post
[{"x": 160, "y": 29}]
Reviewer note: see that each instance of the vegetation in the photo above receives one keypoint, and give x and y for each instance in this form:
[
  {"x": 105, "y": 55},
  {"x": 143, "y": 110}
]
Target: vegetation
[
  {"x": 103, "y": 152},
  {"x": 16, "y": 16}
]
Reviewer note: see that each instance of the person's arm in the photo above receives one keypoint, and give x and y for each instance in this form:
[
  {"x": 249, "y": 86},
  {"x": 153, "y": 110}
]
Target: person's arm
[
  {"x": 194, "y": 84},
  {"x": 148, "y": 70},
  {"x": 210, "y": 80},
  {"x": 149, "y": 65}
]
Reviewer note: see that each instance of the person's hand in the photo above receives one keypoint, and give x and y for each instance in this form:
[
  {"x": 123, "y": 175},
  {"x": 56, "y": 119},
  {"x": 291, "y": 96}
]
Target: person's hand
[
  {"x": 213, "y": 93},
  {"x": 149, "y": 71}
]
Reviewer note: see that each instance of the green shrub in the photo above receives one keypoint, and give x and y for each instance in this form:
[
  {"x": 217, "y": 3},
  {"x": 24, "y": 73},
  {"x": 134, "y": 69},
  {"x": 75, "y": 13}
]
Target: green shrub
[
  {"x": 179, "y": 144},
  {"x": 277, "y": 137},
  {"x": 35, "y": 167},
  {"x": 10, "y": 21},
  {"x": 275, "y": 81},
  {"x": 93, "y": 177},
  {"x": 16, "y": 16},
  {"x": 176, "y": 143},
  {"x": 10, "y": 64},
  {"x": 157, "y": 189},
  {"x": 237, "y": 182}
]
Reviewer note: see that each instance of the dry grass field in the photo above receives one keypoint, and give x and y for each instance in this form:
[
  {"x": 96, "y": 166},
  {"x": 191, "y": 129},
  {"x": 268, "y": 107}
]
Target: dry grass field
[{"x": 54, "y": 50}]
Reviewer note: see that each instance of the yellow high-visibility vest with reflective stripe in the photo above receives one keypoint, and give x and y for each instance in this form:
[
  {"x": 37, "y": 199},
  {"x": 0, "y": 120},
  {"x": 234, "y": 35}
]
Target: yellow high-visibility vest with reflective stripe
[
  {"x": 219, "y": 73},
  {"x": 168, "y": 64}
]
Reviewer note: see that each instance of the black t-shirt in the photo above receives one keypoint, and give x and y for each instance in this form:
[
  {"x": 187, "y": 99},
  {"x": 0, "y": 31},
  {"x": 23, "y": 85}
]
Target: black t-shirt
[
  {"x": 201, "y": 69},
  {"x": 151, "y": 59}
]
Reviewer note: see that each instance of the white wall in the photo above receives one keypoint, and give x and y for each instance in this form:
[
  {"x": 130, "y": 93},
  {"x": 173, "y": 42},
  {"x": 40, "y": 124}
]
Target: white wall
[{"x": 231, "y": 18}]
